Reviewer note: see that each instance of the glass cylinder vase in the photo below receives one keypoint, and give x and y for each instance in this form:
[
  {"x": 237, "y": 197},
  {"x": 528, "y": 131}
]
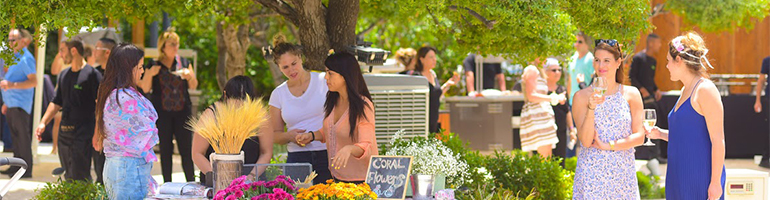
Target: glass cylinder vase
[{"x": 226, "y": 168}]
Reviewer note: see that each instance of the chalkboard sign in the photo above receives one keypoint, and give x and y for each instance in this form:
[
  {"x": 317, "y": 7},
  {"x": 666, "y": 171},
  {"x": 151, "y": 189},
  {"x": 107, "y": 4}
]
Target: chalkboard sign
[{"x": 388, "y": 176}]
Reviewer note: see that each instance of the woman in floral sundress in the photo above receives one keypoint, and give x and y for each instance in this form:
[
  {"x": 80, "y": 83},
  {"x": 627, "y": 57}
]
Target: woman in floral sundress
[{"x": 609, "y": 127}]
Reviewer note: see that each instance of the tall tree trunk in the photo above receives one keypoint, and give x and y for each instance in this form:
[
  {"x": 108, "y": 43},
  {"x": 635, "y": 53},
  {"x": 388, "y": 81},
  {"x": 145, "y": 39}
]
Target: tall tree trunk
[
  {"x": 222, "y": 57},
  {"x": 320, "y": 28},
  {"x": 313, "y": 35},
  {"x": 341, "y": 23},
  {"x": 237, "y": 41}
]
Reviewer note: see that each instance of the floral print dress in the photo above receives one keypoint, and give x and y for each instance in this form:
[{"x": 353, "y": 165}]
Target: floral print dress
[{"x": 602, "y": 174}]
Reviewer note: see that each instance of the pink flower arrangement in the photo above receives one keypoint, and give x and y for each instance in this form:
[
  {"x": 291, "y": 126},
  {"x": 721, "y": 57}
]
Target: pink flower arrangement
[{"x": 282, "y": 188}]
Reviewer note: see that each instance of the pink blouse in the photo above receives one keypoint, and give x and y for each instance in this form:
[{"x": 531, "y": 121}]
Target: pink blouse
[
  {"x": 129, "y": 121},
  {"x": 337, "y": 135}
]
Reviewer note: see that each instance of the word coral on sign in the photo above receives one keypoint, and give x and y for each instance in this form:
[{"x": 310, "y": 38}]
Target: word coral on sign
[{"x": 388, "y": 176}]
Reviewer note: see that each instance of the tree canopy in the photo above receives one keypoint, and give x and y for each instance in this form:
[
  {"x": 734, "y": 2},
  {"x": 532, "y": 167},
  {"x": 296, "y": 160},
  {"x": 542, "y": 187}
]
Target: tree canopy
[{"x": 720, "y": 15}]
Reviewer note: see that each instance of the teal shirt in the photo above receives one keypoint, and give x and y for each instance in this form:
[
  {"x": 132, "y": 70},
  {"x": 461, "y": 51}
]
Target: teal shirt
[{"x": 584, "y": 66}]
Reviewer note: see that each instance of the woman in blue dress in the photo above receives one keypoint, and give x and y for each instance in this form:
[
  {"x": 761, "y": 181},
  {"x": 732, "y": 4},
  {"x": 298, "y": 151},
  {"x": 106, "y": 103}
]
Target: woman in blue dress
[
  {"x": 609, "y": 127},
  {"x": 696, "y": 145}
]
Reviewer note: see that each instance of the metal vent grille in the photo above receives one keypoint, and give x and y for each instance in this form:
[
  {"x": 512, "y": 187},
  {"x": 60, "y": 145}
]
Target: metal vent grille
[{"x": 400, "y": 102}]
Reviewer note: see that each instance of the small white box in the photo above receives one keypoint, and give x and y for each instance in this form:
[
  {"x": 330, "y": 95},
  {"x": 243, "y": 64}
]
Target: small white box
[{"x": 746, "y": 184}]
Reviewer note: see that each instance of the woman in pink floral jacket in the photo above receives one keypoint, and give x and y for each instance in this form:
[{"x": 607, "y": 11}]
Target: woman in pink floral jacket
[{"x": 126, "y": 127}]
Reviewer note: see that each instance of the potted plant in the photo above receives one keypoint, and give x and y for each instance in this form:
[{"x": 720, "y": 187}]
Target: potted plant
[
  {"x": 232, "y": 122},
  {"x": 432, "y": 163}
]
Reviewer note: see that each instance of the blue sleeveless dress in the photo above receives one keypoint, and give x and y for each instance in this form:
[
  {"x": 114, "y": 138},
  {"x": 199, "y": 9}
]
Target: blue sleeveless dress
[
  {"x": 603, "y": 174},
  {"x": 689, "y": 154}
]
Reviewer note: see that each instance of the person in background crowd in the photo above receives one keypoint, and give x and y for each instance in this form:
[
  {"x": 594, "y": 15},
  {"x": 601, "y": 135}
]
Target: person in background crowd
[
  {"x": 18, "y": 86},
  {"x": 609, "y": 127},
  {"x": 348, "y": 127},
  {"x": 761, "y": 83},
  {"x": 642, "y": 75},
  {"x": 88, "y": 55},
  {"x": 297, "y": 104},
  {"x": 256, "y": 150},
  {"x": 169, "y": 79},
  {"x": 580, "y": 66},
  {"x": 125, "y": 127},
  {"x": 76, "y": 98},
  {"x": 405, "y": 57},
  {"x": 493, "y": 73},
  {"x": 4, "y": 130},
  {"x": 102, "y": 52},
  {"x": 538, "y": 126},
  {"x": 696, "y": 140},
  {"x": 561, "y": 110},
  {"x": 426, "y": 61}
]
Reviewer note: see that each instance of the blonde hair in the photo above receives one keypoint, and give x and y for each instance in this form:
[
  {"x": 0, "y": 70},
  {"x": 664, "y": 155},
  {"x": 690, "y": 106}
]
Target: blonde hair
[
  {"x": 692, "y": 49},
  {"x": 168, "y": 35},
  {"x": 405, "y": 56}
]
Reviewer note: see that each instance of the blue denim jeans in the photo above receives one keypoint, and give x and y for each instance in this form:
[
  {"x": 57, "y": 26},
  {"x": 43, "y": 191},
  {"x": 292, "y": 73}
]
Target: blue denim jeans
[{"x": 127, "y": 178}]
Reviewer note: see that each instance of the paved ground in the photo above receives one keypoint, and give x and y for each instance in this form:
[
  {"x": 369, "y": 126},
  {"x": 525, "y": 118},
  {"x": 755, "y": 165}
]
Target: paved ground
[{"x": 25, "y": 188}]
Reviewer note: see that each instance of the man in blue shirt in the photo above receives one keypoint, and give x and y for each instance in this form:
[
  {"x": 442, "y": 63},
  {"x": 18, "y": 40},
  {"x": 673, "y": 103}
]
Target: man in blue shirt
[{"x": 18, "y": 85}]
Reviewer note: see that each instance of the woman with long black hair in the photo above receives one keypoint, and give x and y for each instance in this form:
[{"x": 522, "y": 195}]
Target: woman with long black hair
[
  {"x": 348, "y": 127},
  {"x": 125, "y": 125}
]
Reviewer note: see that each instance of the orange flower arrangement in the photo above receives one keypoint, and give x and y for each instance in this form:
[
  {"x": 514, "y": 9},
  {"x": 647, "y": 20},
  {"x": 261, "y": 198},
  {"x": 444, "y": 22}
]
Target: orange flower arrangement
[{"x": 337, "y": 191}]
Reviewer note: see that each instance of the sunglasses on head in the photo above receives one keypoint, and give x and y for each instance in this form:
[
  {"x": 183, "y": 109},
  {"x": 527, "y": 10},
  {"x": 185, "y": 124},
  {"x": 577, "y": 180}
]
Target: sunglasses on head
[{"x": 611, "y": 42}]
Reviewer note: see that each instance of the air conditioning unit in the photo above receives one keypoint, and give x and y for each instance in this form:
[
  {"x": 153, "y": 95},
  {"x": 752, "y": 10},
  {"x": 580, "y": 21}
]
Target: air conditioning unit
[
  {"x": 745, "y": 184},
  {"x": 400, "y": 102}
]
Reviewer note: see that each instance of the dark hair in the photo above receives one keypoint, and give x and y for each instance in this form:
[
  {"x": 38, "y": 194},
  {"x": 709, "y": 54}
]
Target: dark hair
[
  {"x": 347, "y": 66},
  {"x": 421, "y": 53},
  {"x": 615, "y": 51},
  {"x": 108, "y": 43},
  {"x": 239, "y": 87},
  {"x": 87, "y": 51},
  {"x": 651, "y": 37},
  {"x": 77, "y": 44},
  {"x": 694, "y": 49},
  {"x": 121, "y": 75},
  {"x": 280, "y": 47}
]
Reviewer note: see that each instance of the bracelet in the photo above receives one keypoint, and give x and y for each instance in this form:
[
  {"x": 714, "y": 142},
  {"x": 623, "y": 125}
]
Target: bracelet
[
  {"x": 612, "y": 145},
  {"x": 589, "y": 108},
  {"x": 313, "y": 134}
]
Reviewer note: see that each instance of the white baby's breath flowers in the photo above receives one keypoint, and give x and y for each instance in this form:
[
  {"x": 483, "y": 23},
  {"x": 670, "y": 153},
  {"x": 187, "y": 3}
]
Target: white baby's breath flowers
[{"x": 431, "y": 157}]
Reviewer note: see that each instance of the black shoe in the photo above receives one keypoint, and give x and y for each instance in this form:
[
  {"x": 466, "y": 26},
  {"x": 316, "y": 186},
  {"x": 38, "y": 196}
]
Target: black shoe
[
  {"x": 662, "y": 160},
  {"x": 765, "y": 164}
]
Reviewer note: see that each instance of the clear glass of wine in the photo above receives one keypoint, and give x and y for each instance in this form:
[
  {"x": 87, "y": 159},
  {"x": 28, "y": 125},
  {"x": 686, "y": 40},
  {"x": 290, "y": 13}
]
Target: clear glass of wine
[
  {"x": 650, "y": 117},
  {"x": 600, "y": 86}
]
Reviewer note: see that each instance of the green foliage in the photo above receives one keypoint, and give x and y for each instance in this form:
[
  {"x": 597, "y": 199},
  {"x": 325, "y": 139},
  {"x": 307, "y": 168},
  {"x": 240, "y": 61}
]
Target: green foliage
[
  {"x": 71, "y": 190},
  {"x": 720, "y": 15},
  {"x": 570, "y": 164},
  {"x": 649, "y": 187},
  {"x": 622, "y": 20},
  {"x": 484, "y": 193},
  {"x": 523, "y": 172}
]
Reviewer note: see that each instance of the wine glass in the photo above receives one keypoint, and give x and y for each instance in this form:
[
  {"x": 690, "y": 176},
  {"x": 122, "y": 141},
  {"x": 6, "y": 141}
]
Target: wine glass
[
  {"x": 650, "y": 117},
  {"x": 600, "y": 86}
]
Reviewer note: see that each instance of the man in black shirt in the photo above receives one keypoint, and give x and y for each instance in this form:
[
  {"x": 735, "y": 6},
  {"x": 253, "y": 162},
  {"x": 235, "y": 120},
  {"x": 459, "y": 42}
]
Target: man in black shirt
[
  {"x": 102, "y": 53},
  {"x": 761, "y": 83},
  {"x": 492, "y": 72},
  {"x": 642, "y": 73},
  {"x": 76, "y": 98}
]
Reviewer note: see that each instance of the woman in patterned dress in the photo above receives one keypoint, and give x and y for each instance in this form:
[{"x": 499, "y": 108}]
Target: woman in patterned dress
[
  {"x": 609, "y": 127},
  {"x": 538, "y": 125}
]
